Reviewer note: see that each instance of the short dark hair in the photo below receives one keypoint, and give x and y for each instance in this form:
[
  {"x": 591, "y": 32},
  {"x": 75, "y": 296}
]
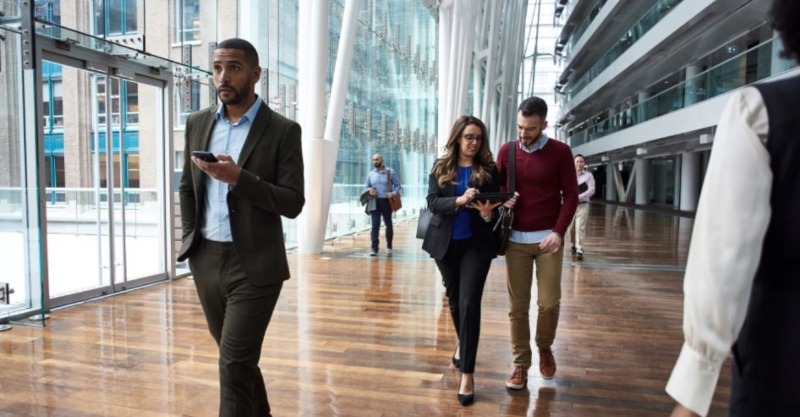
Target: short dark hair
[
  {"x": 579, "y": 156},
  {"x": 785, "y": 18},
  {"x": 249, "y": 50},
  {"x": 533, "y": 106}
]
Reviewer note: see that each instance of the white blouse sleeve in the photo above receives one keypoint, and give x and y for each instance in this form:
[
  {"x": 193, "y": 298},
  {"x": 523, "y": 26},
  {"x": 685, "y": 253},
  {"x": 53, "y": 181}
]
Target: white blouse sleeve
[{"x": 730, "y": 224}]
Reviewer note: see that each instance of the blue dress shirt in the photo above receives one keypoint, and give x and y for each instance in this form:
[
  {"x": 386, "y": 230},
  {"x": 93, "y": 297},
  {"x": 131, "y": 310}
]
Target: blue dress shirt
[
  {"x": 226, "y": 138},
  {"x": 380, "y": 181}
]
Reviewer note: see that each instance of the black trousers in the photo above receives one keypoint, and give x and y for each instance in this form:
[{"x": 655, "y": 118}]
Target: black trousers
[
  {"x": 464, "y": 274},
  {"x": 238, "y": 314},
  {"x": 382, "y": 209}
]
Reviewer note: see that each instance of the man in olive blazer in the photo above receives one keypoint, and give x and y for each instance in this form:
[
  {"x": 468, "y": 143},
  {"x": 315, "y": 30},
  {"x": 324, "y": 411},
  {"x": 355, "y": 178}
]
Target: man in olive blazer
[
  {"x": 270, "y": 186},
  {"x": 231, "y": 210}
]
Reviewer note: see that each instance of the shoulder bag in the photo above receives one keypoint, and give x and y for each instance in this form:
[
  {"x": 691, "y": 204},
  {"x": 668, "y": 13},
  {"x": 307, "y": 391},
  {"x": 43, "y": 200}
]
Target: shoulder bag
[
  {"x": 502, "y": 228},
  {"x": 395, "y": 203},
  {"x": 422, "y": 224}
]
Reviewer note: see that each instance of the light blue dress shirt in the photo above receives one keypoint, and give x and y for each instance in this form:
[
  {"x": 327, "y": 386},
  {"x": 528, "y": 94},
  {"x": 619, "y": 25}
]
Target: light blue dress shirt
[
  {"x": 226, "y": 138},
  {"x": 380, "y": 180}
]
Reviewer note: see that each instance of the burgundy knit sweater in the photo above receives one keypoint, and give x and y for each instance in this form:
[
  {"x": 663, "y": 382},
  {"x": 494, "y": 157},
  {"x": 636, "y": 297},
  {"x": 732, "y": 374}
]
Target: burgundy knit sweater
[{"x": 543, "y": 177}]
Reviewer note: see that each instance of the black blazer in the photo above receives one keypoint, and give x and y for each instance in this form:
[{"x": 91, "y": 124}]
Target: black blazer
[
  {"x": 442, "y": 203},
  {"x": 270, "y": 186}
]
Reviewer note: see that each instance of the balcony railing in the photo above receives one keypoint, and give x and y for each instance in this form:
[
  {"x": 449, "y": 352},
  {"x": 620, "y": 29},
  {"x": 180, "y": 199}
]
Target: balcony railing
[
  {"x": 741, "y": 70},
  {"x": 631, "y": 36}
]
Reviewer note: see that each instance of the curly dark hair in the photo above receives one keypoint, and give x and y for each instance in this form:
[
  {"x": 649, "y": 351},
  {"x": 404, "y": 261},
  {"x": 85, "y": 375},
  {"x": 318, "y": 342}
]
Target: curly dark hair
[
  {"x": 785, "y": 18},
  {"x": 250, "y": 53},
  {"x": 446, "y": 167}
]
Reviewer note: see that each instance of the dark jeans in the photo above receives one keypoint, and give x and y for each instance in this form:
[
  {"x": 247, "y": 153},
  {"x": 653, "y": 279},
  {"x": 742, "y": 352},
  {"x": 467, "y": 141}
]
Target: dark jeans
[
  {"x": 382, "y": 210},
  {"x": 464, "y": 275},
  {"x": 238, "y": 314}
]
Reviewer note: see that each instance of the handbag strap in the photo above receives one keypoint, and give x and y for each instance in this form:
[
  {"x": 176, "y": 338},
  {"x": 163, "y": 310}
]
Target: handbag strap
[
  {"x": 389, "y": 183},
  {"x": 512, "y": 167},
  {"x": 504, "y": 213}
]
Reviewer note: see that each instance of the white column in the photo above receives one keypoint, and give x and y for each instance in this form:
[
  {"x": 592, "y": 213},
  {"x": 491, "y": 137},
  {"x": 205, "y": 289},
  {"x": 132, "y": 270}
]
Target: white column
[
  {"x": 611, "y": 186},
  {"x": 445, "y": 102},
  {"x": 313, "y": 243},
  {"x": 313, "y": 62},
  {"x": 456, "y": 34},
  {"x": 690, "y": 180},
  {"x": 690, "y": 92},
  {"x": 512, "y": 52},
  {"x": 640, "y": 108},
  {"x": 642, "y": 181},
  {"x": 491, "y": 64}
]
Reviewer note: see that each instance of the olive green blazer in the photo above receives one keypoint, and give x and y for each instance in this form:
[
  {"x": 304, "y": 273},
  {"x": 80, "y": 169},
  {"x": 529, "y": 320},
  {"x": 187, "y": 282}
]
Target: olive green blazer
[{"x": 270, "y": 186}]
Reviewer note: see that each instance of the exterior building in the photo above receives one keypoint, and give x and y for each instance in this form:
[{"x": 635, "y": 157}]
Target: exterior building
[{"x": 644, "y": 83}]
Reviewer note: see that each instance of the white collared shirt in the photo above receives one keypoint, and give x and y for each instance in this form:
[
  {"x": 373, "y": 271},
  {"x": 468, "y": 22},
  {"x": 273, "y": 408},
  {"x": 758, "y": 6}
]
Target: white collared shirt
[{"x": 731, "y": 221}]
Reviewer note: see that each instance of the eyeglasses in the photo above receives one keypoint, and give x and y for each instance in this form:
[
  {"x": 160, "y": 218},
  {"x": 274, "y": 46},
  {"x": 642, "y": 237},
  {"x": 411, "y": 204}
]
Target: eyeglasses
[{"x": 473, "y": 138}]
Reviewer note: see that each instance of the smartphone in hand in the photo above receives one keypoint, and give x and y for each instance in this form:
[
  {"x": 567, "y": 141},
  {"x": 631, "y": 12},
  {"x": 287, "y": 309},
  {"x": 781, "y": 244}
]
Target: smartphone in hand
[{"x": 205, "y": 156}]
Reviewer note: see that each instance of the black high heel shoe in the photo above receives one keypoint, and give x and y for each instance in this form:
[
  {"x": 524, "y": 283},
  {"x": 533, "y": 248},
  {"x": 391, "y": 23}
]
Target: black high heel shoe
[
  {"x": 466, "y": 399},
  {"x": 456, "y": 362}
]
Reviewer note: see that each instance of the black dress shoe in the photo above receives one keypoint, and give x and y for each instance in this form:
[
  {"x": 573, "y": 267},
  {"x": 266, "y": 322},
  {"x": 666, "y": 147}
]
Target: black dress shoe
[
  {"x": 456, "y": 362},
  {"x": 466, "y": 399}
]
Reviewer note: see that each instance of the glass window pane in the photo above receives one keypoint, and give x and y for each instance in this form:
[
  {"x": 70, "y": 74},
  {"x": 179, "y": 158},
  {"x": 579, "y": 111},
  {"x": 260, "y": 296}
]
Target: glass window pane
[
  {"x": 114, "y": 17},
  {"x": 130, "y": 16}
]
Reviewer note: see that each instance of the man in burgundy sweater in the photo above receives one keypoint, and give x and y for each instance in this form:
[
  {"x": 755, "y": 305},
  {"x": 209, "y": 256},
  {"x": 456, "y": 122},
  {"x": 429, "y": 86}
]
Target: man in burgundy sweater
[{"x": 548, "y": 197}]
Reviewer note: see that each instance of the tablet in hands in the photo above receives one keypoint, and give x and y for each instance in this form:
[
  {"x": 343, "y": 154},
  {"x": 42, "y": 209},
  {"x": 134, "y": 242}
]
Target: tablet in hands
[{"x": 491, "y": 197}]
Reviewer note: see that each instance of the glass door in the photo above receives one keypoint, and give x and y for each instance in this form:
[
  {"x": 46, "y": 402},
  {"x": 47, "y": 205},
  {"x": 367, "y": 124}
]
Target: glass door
[
  {"x": 21, "y": 281},
  {"x": 104, "y": 152},
  {"x": 138, "y": 199}
]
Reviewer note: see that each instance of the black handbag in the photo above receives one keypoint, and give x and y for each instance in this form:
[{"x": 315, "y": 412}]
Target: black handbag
[
  {"x": 422, "y": 224},
  {"x": 502, "y": 228}
]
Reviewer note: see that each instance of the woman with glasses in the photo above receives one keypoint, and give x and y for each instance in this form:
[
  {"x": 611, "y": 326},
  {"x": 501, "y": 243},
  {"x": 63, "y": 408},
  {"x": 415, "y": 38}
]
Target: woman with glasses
[{"x": 460, "y": 237}]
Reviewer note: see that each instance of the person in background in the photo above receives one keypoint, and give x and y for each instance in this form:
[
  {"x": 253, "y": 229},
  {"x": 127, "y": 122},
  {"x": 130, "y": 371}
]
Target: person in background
[
  {"x": 231, "y": 216},
  {"x": 382, "y": 184},
  {"x": 742, "y": 281},
  {"x": 460, "y": 236},
  {"x": 548, "y": 196},
  {"x": 577, "y": 229}
]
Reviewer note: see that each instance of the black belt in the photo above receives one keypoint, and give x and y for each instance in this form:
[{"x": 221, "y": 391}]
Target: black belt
[{"x": 218, "y": 244}]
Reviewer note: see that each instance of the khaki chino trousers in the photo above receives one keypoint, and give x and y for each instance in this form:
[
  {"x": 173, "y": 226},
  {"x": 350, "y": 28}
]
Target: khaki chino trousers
[{"x": 520, "y": 261}]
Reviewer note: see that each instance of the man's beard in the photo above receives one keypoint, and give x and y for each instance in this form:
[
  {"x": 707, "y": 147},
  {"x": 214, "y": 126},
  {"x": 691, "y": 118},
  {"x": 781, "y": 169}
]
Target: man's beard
[{"x": 235, "y": 96}]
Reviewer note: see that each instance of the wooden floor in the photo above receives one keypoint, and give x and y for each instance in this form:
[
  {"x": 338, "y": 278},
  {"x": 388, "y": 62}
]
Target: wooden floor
[{"x": 359, "y": 336}]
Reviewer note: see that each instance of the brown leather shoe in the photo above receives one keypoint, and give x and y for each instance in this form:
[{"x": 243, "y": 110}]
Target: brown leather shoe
[
  {"x": 518, "y": 378},
  {"x": 547, "y": 363}
]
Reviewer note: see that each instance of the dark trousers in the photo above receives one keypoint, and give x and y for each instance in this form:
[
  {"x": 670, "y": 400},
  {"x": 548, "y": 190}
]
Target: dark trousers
[
  {"x": 464, "y": 275},
  {"x": 382, "y": 209},
  {"x": 237, "y": 313}
]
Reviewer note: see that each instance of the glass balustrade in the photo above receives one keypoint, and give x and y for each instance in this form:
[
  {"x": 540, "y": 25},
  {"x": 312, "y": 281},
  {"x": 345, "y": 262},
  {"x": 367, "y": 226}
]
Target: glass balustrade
[
  {"x": 744, "y": 69},
  {"x": 631, "y": 36}
]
